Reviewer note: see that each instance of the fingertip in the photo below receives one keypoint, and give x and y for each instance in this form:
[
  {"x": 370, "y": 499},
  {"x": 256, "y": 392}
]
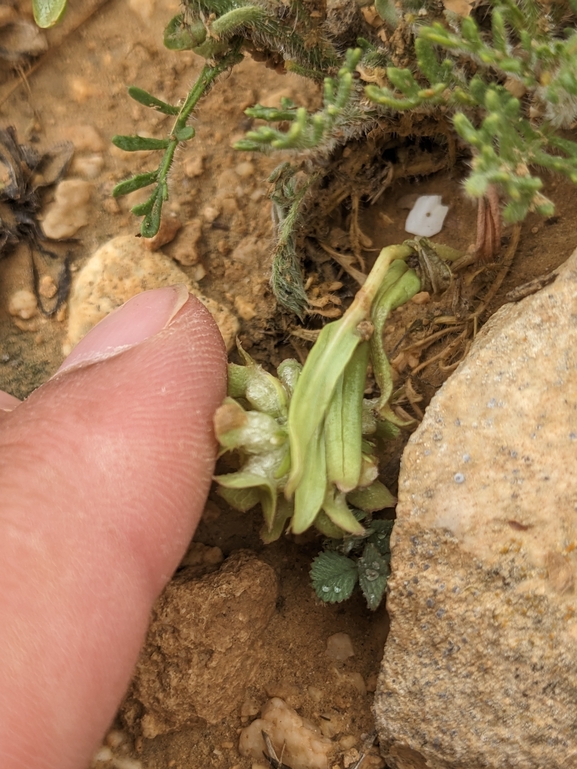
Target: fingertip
[{"x": 8, "y": 402}]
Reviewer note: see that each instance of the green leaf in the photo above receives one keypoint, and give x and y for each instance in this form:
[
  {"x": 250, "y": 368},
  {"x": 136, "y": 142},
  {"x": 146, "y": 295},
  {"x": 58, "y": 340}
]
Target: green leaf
[
  {"x": 148, "y": 100},
  {"x": 151, "y": 222},
  {"x": 184, "y": 134},
  {"x": 48, "y": 12},
  {"x": 373, "y": 575},
  {"x": 333, "y": 577},
  {"x": 381, "y": 535},
  {"x": 179, "y": 36},
  {"x": 313, "y": 392},
  {"x": 139, "y": 143},
  {"x": 135, "y": 183},
  {"x": 310, "y": 492}
]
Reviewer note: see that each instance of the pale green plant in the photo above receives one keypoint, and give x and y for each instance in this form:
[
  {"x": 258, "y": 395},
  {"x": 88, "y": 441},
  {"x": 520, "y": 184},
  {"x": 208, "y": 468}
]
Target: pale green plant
[{"x": 306, "y": 439}]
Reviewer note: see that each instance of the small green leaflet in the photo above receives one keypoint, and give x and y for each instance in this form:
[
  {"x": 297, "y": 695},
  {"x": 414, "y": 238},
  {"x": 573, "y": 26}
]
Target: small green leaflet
[
  {"x": 373, "y": 575},
  {"x": 333, "y": 576},
  {"x": 148, "y": 100},
  {"x": 139, "y": 143}
]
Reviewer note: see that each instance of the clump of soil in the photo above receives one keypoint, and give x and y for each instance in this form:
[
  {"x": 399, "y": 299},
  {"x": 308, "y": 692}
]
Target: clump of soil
[{"x": 77, "y": 91}]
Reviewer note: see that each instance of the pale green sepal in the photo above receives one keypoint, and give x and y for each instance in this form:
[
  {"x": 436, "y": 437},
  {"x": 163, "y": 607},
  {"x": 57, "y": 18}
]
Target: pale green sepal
[
  {"x": 310, "y": 492},
  {"x": 267, "y": 490},
  {"x": 241, "y": 499},
  {"x": 284, "y": 511},
  {"x": 324, "y": 524},
  {"x": 48, "y": 12},
  {"x": 335, "y": 506},
  {"x": 372, "y": 498}
]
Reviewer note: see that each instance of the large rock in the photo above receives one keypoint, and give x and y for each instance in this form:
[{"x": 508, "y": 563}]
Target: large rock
[
  {"x": 480, "y": 667},
  {"x": 204, "y": 646}
]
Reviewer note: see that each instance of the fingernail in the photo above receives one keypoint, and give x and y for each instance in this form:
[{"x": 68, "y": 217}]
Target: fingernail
[
  {"x": 140, "y": 318},
  {"x": 8, "y": 402}
]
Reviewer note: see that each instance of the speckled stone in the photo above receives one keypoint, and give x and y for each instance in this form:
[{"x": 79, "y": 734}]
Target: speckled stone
[
  {"x": 117, "y": 271},
  {"x": 480, "y": 667}
]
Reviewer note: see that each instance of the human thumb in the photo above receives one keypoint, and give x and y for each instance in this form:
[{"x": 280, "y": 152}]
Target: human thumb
[{"x": 104, "y": 471}]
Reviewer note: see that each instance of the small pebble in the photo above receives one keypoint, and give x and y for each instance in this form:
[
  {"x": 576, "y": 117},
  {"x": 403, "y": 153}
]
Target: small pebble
[
  {"x": 47, "y": 287},
  {"x": 115, "y": 738},
  {"x": 423, "y": 297},
  {"x": 102, "y": 754},
  {"x": 22, "y": 304},
  {"x": 185, "y": 249},
  {"x": 80, "y": 89},
  {"x": 350, "y": 757},
  {"x": 244, "y": 169},
  {"x": 69, "y": 212},
  {"x": 88, "y": 166},
  {"x": 347, "y": 742},
  {"x": 84, "y": 137},
  {"x": 246, "y": 310},
  {"x": 249, "y": 707},
  {"x": 194, "y": 166},
  {"x": 315, "y": 693},
  {"x": 340, "y": 647},
  {"x": 210, "y": 213},
  {"x": 126, "y": 763},
  {"x": 169, "y": 226}
]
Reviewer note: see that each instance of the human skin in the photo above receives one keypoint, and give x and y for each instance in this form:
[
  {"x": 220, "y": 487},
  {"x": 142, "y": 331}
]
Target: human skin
[{"x": 104, "y": 472}]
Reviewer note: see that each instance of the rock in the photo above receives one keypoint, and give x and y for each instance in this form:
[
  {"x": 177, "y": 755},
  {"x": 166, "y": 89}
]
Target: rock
[
  {"x": 169, "y": 226},
  {"x": 340, "y": 647},
  {"x": 203, "y": 646},
  {"x": 119, "y": 270},
  {"x": 70, "y": 210},
  {"x": 480, "y": 667},
  {"x": 85, "y": 138},
  {"x": 88, "y": 166},
  {"x": 185, "y": 250},
  {"x": 297, "y": 741},
  {"x": 23, "y": 304}
]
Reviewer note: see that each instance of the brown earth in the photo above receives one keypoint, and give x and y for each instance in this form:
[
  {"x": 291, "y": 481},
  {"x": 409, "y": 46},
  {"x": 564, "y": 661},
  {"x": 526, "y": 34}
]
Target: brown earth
[{"x": 81, "y": 81}]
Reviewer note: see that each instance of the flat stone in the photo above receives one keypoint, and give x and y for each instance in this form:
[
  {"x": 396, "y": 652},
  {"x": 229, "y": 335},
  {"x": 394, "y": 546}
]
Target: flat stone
[
  {"x": 480, "y": 667},
  {"x": 117, "y": 271}
]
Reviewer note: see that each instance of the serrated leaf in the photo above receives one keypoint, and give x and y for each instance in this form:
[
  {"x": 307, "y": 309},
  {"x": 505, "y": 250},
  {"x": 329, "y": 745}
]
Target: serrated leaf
[
  {"x": 139, "y": 143},
  {"x": 333, "y": 577},
  {"x": 148, "y": 100},
  {"x": 381, "y": 535},
  {"x": 373, "y": 575},
  {"x": 48, "y": 12},
  {"x": 135, "y": 183}
]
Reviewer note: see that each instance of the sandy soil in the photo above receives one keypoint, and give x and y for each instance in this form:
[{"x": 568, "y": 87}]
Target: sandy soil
[{"x": 81, "y": 81}]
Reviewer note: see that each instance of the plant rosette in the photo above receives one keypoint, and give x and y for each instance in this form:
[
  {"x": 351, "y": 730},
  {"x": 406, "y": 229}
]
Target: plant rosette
[{"x": 306, "y": 440}]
